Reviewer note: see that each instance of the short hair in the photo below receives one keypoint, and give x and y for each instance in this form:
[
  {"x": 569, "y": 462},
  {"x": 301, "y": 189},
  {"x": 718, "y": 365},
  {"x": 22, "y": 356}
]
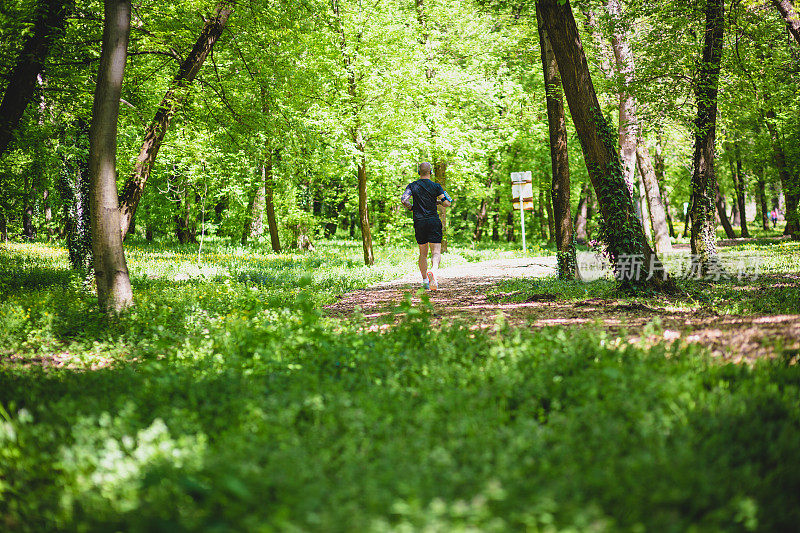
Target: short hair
[{"x": 424, "y": 169}]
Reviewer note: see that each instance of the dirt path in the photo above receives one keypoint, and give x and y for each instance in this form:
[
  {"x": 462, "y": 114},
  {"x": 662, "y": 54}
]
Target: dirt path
[{"x": 463, "y": 296}]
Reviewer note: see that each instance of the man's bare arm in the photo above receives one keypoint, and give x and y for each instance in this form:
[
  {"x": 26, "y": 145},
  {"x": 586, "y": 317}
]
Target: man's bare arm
[
  {"x": 406, "y": 199},
  {"x": 444, "y": 200}
]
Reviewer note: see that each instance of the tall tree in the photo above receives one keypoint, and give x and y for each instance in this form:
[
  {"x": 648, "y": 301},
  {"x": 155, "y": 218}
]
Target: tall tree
[
  {"x": 483, "y": 210},
  {"x": 50, "y": 18},
  {"x": 269, "y": 203},
  {"x": 658, "y": 214},
  {"x": 356, "y": 128},
  {"x": 154, "y": 136},
  {"x": 628, "y": 120},
  {"x": 633, "y": 260},
  {"x": 114, "y": 291},
  {"x": 704, "y": 181},
  {"x": 789, "y": 181},
  {"x": 739, "y": 187},
  {"x": 633, "y": 150},
  {"x": 559, "y": 158}
]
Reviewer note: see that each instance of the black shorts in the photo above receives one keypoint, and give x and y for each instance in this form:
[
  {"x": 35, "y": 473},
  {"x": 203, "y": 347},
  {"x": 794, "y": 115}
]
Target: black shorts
[{"x": 428, "y": 230}]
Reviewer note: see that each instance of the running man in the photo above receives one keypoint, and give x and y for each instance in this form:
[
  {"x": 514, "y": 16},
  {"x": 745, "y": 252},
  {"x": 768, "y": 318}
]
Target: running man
[{"x": 421, "y": 197}]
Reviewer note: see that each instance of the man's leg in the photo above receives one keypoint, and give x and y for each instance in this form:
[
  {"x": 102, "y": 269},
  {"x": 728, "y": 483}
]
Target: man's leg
[
  {"x": 436, "y": 249},
  {"x": 423, "y": 261}
]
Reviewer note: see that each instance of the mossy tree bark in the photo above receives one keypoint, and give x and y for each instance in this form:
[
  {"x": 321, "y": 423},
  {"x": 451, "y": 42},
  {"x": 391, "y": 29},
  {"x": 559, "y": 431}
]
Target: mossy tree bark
[
  {"x": 559, "y": 160},
  {"x": 704, "y": 180},
  {"x": 111, "y": 271},
  {"x": 634, "y": 262}
]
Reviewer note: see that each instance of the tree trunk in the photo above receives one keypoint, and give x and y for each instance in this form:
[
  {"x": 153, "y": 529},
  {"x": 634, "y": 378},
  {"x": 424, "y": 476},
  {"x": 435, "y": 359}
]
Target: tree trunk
[
  {"x": 184, "y": 231},
  {"x": 789, "y": 182},
  {"x": 483, "y": 211},
  {"x": 548, "y": 207},
  {"x": 704, "y": 181},
  {"x": 687, "y": 219},
  {"x": 50, "y": 19},
  {"x": 644, "y": 213},
  {"x": 723, "y": 216},
  {"x": 254, "y": 224},
  {"x": 48, "y": 213},
  {"x": 628, "y": 122},
  {"x": 559, "y": 161},
  {"x": 634, "y": 262},
  {"x": 3, "y": 227},
  {"x": 761, "y": 194},
  {"x": 582, "y": 216},
  {"x": 496, "y": 218},
  {"x": 269, "y": 203},
  {"x": 510, "y": 218},
  {"x": 741, "y": 186},
  {"x": 480, "y": 220},
  {"x": 599, "y": 41},
  {"x": 658, "y": 216},
  {"x": 356, "y": 136},
  {"x": 75, "y": 189},
  {"x": 790, "y": 16},
  {"x": 440, "y": 174},
  {"x": 154, "y": 136},
  {"x": 111, "y": 271},
  {"x": 363, "y": 215},
  {"x": 29, "y": 191},
  {"x": 735, "y": 218},
  {"x": 540, "y": 216},
  {"x": 660, "y": 178}
]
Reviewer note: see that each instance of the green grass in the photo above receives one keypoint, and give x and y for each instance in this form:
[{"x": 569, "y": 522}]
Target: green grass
[
  {"x": 763, "y": 277},
  {"x": 225, "y": 401}
]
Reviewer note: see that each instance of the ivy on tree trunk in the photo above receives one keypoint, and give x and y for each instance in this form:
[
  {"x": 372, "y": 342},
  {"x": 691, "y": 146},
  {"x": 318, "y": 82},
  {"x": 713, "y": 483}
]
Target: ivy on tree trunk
[
  {"x": 704, "y": 180},
  {"x": 632, "y": 259}
]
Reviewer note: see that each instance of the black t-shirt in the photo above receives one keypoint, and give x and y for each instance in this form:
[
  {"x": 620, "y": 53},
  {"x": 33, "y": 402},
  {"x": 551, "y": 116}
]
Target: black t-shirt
[{"x": 425, "y": 192}]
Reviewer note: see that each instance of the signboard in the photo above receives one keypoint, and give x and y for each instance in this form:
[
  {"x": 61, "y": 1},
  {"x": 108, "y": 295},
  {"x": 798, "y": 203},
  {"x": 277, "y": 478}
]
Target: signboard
[
  {"x": 522, "y": 193},
  {"x": 522, "y": 190},
  {"x": 521, "y": 177},
  {"x": 522, "y": 187}
]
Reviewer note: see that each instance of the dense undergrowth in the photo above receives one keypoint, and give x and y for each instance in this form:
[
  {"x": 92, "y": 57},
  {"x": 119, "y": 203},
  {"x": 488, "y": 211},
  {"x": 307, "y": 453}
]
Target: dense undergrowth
[{"x": 229, "y": 403}]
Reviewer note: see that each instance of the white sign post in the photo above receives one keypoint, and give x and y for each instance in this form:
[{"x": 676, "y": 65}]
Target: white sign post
[{"x": 522, "y": 192}]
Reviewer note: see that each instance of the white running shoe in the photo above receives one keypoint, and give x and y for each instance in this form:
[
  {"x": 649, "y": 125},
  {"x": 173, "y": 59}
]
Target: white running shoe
[{"x": 432, "y": 281}]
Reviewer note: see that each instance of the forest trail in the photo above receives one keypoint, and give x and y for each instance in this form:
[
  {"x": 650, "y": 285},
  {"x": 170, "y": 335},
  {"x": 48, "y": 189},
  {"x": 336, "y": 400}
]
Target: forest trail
[{"x": 463, "y": 296}]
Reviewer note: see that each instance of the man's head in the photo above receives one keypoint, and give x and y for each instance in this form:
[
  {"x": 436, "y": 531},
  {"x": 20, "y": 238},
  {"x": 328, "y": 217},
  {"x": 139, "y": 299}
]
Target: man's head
[{"x": 425, "y": 169}]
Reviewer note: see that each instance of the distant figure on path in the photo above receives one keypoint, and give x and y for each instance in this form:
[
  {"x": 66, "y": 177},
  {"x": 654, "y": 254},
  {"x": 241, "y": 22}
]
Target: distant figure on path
[
  {"x": 774, "y": 216},
  {"x": 421, "y": 197}
]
